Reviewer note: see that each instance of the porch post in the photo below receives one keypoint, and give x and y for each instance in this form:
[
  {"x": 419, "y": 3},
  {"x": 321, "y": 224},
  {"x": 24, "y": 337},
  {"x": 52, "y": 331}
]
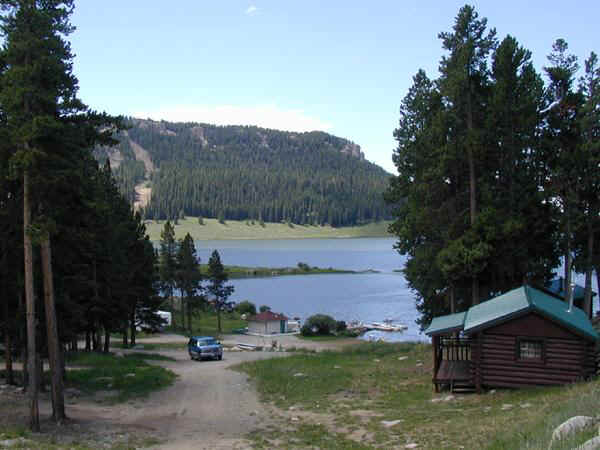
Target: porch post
[
  {"x": 436, "y": 363},
  {"x": 478, "y": 344}
]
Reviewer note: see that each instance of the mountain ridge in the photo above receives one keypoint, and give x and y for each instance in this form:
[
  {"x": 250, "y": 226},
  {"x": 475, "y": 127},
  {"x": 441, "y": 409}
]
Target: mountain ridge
[{"x": 302, "y": 177}]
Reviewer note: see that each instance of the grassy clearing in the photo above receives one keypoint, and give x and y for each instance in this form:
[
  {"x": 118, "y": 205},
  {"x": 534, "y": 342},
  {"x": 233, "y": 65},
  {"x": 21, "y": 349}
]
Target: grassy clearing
[
  {"x": 122, "y": 378},
  {"x": 151, "y": 346},
  {"x": 326, "y": 338},
  {"x": 351, "y": 392},
  {"x": 232, "y": 229},
  {"x": 204, "y": 323},
  {"x": 27, "y": 440},
  {"x": 148, "y": 357}
]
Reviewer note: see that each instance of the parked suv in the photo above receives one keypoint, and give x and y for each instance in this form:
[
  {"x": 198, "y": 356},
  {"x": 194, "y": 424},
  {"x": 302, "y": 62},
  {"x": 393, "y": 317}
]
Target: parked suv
[{"x": 203, "y": 347}]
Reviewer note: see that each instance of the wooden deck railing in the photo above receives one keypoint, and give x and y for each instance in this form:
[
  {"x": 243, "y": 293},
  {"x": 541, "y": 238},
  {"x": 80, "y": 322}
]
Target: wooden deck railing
[{"x": 455, "y": 349}]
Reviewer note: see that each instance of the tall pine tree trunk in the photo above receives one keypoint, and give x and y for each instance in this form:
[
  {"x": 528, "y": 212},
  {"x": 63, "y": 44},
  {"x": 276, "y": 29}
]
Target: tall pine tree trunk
[
  {"x": 189, "y": 314},
  {"x": 472, "y": 187},
  {"x": 106, "y": 340},
  {"x": 58, "y": 398},
  {"x": 132, "y": 329},
  {"x": 568, "y": 257},
  {"x": 10, "y": 378},
  {"x": 34, "y": 414},
  {"x": 589, "y": 262},
  {"x": 181, "y": 305},
  {"x": 8, "y": 356}
]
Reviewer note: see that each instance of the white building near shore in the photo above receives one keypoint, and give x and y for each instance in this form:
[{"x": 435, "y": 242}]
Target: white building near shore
[{"x": 267, "y": 323}]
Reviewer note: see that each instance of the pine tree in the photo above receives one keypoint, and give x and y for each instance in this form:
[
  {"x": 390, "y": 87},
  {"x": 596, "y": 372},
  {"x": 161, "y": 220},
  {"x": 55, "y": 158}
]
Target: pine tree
[
  {"x": 217, "y": 277},
  {"x": 464, "y": 82},
  {"x": 168, "y": 262},
  {"x": 189, "y": 277},
  {"x": 39, "y": 96},
  {"x": 561, "y": 142},
  {"x": 588, "y": 158}
]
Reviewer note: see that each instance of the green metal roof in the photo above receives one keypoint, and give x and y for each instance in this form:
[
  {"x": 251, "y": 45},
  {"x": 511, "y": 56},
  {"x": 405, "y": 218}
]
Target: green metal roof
[
  {"x": 512, "y": 304},
  {"x": 446, "y": 324},
  {"x": 497, "y": 309},
  {"x": 553, "y": 308}
]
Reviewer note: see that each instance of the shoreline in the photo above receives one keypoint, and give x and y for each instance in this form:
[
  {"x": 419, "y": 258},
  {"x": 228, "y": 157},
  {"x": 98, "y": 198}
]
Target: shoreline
[{"x": 241, "y": 272}]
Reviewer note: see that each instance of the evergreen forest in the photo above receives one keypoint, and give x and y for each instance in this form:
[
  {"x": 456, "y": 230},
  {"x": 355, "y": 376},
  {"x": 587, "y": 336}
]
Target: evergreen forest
[
  {"x": 75, "y": 261},
  {"x": 247, "y": 173},
  {"x": 498, "y": 170}
]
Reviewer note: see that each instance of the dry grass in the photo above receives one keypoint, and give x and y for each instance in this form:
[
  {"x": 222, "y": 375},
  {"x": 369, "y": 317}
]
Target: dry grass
[
  {"x": 363, "y": 386},
  {"x": 213, "y": 230}
]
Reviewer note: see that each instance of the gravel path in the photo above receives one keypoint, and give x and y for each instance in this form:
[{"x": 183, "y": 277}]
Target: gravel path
[{"x": 208, "y": 407}]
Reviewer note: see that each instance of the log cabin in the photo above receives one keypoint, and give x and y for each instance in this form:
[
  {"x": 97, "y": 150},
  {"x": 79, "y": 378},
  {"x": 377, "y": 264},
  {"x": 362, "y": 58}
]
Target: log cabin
[{"x": 525, "y": 337}]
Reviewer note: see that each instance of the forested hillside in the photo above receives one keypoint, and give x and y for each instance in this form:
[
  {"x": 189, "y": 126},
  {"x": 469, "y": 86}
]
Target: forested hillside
[{"x": 240, "y": 172}]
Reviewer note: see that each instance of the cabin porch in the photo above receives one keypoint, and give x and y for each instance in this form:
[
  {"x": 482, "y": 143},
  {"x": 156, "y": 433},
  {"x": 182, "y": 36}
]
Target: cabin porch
[{"x": 452, "y": 364}]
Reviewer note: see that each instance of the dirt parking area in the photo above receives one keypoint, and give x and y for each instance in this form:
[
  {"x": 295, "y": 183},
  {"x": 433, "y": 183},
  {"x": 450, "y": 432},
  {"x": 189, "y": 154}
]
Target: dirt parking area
[{"x": 208, "y": 407}]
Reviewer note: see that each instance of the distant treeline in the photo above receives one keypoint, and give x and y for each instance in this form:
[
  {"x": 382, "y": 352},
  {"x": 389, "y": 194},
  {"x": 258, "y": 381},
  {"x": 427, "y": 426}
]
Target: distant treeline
[{"x": 239, "y": 173}]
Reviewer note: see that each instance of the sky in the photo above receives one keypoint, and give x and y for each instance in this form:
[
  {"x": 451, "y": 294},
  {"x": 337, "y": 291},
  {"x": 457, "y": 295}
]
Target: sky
[{"x": 338, "y": 66}]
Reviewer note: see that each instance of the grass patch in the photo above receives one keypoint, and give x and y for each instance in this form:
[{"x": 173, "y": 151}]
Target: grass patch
[
  {"x": 148, "y": 356},
  {"x": 363, "y": 385},
  {"x": 27, "y": 440},
  {"x": 204, "y": 323},
  {"x": 126, "y": 378},
  {"x": 325, "y": 338},
  {"x": 265, "y": 272},
  {"x": 232, "y": 229},
  {"x": 151, "y": 346},
  {"x": 305, "y": 436}
]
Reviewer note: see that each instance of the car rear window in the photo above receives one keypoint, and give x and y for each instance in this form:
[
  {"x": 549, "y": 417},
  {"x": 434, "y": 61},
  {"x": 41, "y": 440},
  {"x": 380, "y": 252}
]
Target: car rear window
[{"x": 207, "y": 342}]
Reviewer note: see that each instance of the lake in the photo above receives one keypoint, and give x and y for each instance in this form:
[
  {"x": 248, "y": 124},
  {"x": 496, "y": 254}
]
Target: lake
[{"x": 369, "y": 297}]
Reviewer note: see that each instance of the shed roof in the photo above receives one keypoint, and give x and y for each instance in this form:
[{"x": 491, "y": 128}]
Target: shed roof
[
  {"x": 267, "y": 316},
  {"x": 513, "y": 304}
]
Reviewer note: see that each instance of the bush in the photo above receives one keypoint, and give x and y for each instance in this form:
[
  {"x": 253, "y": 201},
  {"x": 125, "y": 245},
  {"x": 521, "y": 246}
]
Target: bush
[
  {"x": 303, "y": 266},
  {"x": 246, "y": 307},
  {"x": 264, "y": 308},
  {"x": 318, "y": 325},
  {"x": 340, "y": 326}
]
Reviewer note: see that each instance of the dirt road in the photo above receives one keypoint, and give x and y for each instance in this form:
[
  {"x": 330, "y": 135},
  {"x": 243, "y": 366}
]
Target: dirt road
[{"x": 208, "y": 407}]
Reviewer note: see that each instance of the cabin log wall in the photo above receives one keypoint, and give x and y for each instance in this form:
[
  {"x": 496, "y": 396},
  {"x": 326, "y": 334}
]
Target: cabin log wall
[{"x": 567, "y": 357}]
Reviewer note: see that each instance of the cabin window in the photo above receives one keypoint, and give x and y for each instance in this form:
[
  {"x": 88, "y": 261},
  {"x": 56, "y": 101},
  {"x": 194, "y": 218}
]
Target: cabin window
[{"x": 530, "y": 350}]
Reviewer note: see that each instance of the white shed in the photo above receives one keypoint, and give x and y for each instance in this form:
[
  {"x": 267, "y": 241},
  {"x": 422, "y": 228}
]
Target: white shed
[{"x": 267, "y": 323}]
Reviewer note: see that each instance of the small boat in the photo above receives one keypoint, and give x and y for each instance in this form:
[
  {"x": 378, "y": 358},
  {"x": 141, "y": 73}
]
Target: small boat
[
  {"x": 244, "y": 346},
  {"x": 382, "y": 326}
]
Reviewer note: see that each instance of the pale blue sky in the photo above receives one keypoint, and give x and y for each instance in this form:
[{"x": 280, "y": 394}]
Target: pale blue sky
[{"x": 339, "y": 66}]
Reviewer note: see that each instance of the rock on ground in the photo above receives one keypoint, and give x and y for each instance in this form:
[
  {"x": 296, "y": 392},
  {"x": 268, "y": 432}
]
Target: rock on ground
[
  {"x": 570, "y": 426},
  {"x": 592, "y": 444}
]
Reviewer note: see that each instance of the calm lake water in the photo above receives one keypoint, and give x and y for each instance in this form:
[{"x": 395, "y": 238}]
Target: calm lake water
[{"x": 366, "y": 297}]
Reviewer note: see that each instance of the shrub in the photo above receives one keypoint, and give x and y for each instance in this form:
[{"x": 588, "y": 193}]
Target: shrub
[
  {"x": 303, "y": 266},
  {"x": 245, "y": 307},
  {"x": 319, "y": 324},
  {"x": 340, "y": 326}
]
